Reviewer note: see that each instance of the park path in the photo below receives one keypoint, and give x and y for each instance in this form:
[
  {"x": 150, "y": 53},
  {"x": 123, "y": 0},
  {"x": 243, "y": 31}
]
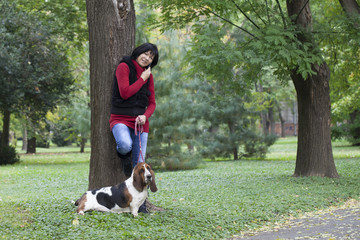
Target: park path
[{"x": 331, "y": 224}]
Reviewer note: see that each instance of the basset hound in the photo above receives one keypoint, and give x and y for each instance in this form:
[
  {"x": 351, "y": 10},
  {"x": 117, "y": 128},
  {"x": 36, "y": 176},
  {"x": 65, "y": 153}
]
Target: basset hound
[{"x": 127, "y": 196}]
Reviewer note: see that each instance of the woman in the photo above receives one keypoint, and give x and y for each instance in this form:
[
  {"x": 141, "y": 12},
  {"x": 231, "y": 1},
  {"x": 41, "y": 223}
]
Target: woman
[{"x": 133, "y": 98}]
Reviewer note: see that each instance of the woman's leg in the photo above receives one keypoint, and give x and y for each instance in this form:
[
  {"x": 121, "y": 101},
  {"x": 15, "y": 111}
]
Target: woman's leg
[
  {"x": 136, "y": 147},
  {"x": 123, "y": 139}
]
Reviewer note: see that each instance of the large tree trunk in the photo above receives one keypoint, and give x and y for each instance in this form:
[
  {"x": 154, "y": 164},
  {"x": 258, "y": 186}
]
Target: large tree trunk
[
  {"x": 352, "y": 10},
  {"x": 111, "y": 36},
  {"x": 4, "y": 141},
  {"x": 350, "y": 7},
  {"x": 314, "y": 152}
]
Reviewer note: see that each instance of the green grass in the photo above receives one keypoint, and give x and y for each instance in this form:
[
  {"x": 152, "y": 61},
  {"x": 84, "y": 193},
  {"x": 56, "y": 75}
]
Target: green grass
[{"x": 216, "y": 201}]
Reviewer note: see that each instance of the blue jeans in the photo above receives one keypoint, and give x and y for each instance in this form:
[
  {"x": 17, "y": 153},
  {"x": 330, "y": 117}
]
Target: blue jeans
[{"x": 126, "y": 141}]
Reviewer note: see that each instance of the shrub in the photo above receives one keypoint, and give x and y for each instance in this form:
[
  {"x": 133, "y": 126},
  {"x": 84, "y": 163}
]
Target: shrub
[
  {"x": 349, "y": 131},
  {"x": 8, "y": 155},
  {"x": 179, "y": 161},
  {"x": 258, "y": 145}
]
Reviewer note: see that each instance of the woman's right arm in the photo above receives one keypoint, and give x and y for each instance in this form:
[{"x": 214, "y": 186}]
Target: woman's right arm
[{"x": 122, "y": 75}]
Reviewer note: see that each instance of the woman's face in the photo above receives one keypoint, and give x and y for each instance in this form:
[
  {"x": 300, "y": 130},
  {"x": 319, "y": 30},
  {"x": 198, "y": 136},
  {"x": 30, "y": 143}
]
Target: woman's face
[{"x": 145, "y": 59}]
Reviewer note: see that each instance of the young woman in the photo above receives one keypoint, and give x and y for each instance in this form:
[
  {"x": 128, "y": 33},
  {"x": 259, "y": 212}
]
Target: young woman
[{"x": 133, "y": 98}]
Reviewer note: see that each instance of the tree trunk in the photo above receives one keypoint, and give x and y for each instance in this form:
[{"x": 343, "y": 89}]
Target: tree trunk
[
  {"x": 271, "y": 120},
  {"x": 352, "y": 10},
  {"x": 82, "y": 144},
  {"x": 350, "y": 7},
  {"x": 282, "y": 121},
  {"x": 6, "y": 129},
  {"x": 355, "y": 133},
  {"x": 25, "y": 140},
  {"x": 111, "y": 36},
  {"x": 314, "y": 150},
  {"x": 31, "y": 149},
  {"x": 231, "y": 126}
]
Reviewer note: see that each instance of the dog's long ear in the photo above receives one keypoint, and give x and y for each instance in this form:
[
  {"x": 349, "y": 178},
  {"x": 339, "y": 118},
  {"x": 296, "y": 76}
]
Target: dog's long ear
[
  {"x": 138, "y": 181},
  {"x": 153, "y": 186}
]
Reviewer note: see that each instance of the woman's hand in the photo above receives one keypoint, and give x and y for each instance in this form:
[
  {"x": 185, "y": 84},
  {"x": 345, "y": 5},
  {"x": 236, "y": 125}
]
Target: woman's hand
[
  {"x": 146, "y": 74},
  {"x": 141, "y": 119}
]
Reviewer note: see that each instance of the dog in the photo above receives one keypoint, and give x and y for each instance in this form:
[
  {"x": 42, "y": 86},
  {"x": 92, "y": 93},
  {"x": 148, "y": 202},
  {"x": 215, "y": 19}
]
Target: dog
[{"x": 127, "y": 196}]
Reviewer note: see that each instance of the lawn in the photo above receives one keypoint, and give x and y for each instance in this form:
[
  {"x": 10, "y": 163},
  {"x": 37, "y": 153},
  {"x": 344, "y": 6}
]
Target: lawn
[{"x": 216, "y": 201}]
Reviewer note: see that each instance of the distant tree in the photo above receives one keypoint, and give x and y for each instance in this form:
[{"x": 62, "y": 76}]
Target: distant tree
[
  {"x": 34, "y": 69},
  {"x": 64, "y": 18},
  {"x": 343, "y": 53},
  {"x": 173, "y": 124},
  {"x": 284, "y": 41}
]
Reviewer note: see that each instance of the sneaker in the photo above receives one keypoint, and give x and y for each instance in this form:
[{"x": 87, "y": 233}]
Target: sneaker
[{"x": 143, "y": 209}]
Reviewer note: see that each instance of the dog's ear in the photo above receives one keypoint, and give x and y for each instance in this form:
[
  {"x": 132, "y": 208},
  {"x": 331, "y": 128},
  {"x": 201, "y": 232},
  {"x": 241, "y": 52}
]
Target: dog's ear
[
  {"x": 153, "y": 186},
  {"x": 138, "y": 181}
]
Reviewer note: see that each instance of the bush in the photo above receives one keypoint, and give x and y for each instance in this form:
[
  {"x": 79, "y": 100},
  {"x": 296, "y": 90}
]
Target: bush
[
  {"x": 8, "y": 155},
  {"x": 258, "y": 145},
  {"x": 174, "y": 162},
  {"x": 348, "y": 131}
]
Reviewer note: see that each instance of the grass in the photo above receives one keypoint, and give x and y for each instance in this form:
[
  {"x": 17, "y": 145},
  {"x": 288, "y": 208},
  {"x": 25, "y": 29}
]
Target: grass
[{"x": 217, "y": 201}]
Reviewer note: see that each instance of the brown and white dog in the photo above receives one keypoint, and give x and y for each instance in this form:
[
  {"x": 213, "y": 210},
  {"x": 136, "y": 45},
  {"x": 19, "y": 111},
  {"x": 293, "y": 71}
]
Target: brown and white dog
[{"x": 127, "y": 196}]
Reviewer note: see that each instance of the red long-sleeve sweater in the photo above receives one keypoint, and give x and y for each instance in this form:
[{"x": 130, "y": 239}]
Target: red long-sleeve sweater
[{"x": 126, "y": 90}]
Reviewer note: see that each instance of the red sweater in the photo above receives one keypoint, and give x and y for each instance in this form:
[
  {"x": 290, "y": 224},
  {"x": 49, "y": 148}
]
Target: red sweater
[{"x": 126, "y": 90}]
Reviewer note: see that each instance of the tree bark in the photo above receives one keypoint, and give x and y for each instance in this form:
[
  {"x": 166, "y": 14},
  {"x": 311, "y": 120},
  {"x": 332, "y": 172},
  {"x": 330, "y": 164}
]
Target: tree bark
[
  {"x": 82, "y": 144},
  {"x": 355, "y": 133},
  {"x": 282, "y": 120},
  {"x": 31, "y": 149},
  {"x": 271, "y": 120},
  {"x": 314, "y": 150},
  {"x": 350, "y": 7},
  {"x": 25, "y": 140},
  {"x": 111, "y": 36},
  {"x": 6, "y": 129},
  {"x": 352, "y": 10}
]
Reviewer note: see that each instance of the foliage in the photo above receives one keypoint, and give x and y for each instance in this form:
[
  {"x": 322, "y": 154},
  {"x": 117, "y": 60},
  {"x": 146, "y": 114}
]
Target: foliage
[
  {"x": 8, "y": 155},
  {"x": 72, "y": 121},
  {"x": 61, "y": 133},
  {"x": 257, "y": 146},
  {"x": 217, "y": 201},
  {"x": 264, "y": 34},
  {"x": 226, "y": 124},
  {"x": 339, "y": 36},
  {"x": 65, "y": 18},
  {"x": 172, "y": 125},
  {"x": 348, "y": 130},
  {"x": 34, "y": 67}
]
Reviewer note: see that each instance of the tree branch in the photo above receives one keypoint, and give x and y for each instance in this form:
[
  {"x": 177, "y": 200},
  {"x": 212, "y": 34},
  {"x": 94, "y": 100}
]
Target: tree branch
[
  {"x": 281, "y": 13},
  {"x": 238, "y": 7},
  {"x": 256, "y": 12},
  {"x": 230, "y": 22},
  {"x": 267, "y": 11},
  {"x": 301, "y": 10}
]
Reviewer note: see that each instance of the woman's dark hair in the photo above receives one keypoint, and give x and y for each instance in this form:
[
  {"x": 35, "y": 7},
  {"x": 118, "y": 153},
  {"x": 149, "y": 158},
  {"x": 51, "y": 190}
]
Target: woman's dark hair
[{"x": 145, "y": 48}]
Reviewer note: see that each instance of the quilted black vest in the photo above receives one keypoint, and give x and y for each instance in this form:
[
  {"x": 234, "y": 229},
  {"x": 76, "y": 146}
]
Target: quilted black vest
[{"x": 136, "y": 104}]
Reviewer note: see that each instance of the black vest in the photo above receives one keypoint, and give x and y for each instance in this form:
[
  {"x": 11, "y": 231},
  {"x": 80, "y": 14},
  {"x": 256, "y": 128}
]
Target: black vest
[{"x": 136, "y": 104}]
